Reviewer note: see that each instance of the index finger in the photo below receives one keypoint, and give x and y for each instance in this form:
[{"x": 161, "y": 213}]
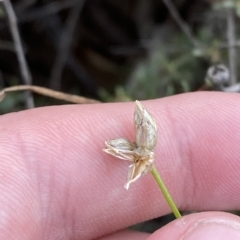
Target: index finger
[{"x": 76, "y": 190}]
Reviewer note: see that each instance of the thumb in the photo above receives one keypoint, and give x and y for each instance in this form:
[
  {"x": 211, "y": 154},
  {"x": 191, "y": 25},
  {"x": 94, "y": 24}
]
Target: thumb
[{"x": 208, "y": 225}]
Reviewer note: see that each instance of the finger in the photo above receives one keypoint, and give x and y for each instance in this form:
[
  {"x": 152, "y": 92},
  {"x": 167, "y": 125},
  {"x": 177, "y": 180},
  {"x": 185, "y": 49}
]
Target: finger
[
  {"x": 69, "y": 187},
  {"x": 126, "y": 235},
  {"x": 208, "y": 225}
]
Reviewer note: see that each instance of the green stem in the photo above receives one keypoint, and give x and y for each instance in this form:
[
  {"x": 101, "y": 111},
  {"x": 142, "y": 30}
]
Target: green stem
[{"x": 165, "y": 192}]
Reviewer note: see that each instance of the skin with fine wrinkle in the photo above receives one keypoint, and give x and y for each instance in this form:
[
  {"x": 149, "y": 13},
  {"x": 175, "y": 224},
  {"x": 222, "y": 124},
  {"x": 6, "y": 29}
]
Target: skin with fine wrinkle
[{"x": 56, "y": 183}]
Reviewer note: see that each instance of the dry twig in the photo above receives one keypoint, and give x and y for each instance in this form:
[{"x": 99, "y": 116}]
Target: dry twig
[
  {"x": 65, "y": 42},
  {"x": 26, "y": 76},
  {"x": 176, "y": 16},
  {"x": 49, "y": 93},
  {"x": 224, "y": 45}
]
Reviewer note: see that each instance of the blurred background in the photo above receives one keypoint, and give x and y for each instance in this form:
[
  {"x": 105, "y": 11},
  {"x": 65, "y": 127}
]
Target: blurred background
[{"x": 116, "y": 51}]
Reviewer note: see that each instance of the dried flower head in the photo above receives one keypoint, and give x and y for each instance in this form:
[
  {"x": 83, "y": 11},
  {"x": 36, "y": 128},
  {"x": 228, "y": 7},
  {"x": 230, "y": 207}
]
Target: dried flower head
[{"x": 140, "y": 153}]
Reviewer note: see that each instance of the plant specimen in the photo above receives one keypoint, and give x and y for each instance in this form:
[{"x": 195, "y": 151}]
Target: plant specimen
[{"x": 140, "y": 153}]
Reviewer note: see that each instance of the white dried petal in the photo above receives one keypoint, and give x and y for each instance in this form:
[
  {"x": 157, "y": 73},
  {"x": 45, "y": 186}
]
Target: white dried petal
[
  {"x": 120, "y": 148},
  {"x": 137, "y": 169},
  {"x": 130, "y": 177},
  {"x": 146, "y": 128}
]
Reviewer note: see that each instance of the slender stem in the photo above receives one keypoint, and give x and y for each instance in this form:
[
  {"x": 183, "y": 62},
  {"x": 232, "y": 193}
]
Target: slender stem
[{"x": 165, "y": 192}]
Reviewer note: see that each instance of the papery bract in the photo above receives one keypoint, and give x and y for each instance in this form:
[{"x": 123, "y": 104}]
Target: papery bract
[
  {"x": 120, "y": 148},
  {"x": 145, "y": 127}
]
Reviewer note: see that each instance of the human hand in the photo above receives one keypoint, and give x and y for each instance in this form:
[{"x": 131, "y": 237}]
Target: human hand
[{"x": 56, "y": 183}]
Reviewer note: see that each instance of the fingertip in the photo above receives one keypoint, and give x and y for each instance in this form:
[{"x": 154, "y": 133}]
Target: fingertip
[{"x": 207, "y": 225}]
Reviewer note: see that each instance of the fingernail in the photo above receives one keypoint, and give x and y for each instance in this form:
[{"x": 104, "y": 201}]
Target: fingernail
[{"x": 213, "y": 228}]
